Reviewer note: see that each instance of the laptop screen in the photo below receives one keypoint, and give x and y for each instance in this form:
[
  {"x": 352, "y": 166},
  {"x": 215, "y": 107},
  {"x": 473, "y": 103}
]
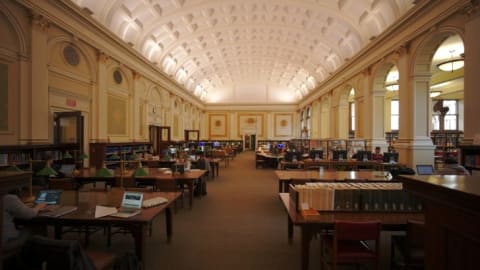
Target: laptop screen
[
  {"x": 132, "y": 199},
  {"x": 67, "y": 169},
  {"x": 48, "y": 196},
  {"x": 424, "y": 169}
]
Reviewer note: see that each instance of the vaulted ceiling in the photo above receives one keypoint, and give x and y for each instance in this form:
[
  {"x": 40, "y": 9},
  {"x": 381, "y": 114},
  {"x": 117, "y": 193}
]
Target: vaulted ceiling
[{"x": 247, "y": 51}]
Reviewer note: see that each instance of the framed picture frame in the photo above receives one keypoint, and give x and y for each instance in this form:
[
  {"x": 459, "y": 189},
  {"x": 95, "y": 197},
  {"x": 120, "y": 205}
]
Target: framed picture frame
[
  {"x": 283, "y": 124},
  {"x": 250, "y": 123},
  {"x": 218, "y": 125}
]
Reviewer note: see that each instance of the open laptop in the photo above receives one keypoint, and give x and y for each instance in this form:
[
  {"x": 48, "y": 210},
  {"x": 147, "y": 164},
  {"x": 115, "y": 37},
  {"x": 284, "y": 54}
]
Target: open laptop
[
  {"x": 131, "y": 204},
  {"x": 50, "y": 197},
  {"x": 425, "y": 169},
  {"x": 67, "y": 170}
]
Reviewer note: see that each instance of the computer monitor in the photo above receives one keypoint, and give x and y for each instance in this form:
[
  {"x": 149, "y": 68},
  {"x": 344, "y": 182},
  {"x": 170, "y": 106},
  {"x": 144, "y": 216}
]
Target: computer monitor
[
  {"x": 390, "y": 157},
  {"x": 426, "y": 169},
  {"x": 280, "y": 146},
  {"x": 216, "y": 144},
  {"x": 364, "y": 155},
  {"x": 316, "y": 154},
  {"x": 292, "y": 156},
  {"x": 339, "y": 154}
]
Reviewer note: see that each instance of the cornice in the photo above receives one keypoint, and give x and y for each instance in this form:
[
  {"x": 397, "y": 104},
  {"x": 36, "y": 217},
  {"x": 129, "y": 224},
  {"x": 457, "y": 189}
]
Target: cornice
[{"x": 66, "y": 15}]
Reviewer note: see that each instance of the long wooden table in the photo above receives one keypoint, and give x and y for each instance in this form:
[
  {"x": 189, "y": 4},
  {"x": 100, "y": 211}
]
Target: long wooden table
[
  {"x": 188, "y": 178},
  {"x": 86, "y": 202},
  {"x": 286, "y": 177},
  {"x": 350, "y": 164},
  {"x": 311, "y": 224}
]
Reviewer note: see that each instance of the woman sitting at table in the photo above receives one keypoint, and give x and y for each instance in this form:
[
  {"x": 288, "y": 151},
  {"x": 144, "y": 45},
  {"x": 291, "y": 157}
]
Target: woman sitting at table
[{"x": 377, "y": 155}]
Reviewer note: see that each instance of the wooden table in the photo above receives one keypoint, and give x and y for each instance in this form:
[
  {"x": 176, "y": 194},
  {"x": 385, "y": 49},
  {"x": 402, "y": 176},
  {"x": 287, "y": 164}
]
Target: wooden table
[
  {"x": 86, "y": 201},
  {"x": 286, "y": 177},
  {"x": 311, "y": 224},
  {"x": 188, "y": 178},
  {"x": 452, "y": 219}
]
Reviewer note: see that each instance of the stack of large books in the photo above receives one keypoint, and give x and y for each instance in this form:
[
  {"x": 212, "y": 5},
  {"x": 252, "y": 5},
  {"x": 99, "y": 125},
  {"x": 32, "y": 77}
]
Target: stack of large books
[{"x": 354, "y": 197}]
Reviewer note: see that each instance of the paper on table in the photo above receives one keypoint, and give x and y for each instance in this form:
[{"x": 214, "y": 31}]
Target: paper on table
[{"x": 101, "y": 211}]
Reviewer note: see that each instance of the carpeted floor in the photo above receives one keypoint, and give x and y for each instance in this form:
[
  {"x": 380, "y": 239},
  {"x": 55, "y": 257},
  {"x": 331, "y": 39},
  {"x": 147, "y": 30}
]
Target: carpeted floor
[{"x": 240, "y": 224}]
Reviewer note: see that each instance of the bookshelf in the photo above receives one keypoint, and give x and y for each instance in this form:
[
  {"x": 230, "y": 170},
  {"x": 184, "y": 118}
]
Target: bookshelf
[
  {"x": 470, "y": 158},
  {"x": 391, "y": 137},
  {"x": 112, "y": 153},
  {"x": 21, "y": 155},
  {"x": 446, "y": 142}
]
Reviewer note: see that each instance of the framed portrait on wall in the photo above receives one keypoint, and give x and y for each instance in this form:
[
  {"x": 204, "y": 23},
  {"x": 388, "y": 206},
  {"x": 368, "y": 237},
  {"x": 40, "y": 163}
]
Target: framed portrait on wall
[
  {"x": 116, "y": 115},
  {"x": 283, "y": 124},
  {"x": 250, "y": 123},
  {"x": 217, "y": 123}
]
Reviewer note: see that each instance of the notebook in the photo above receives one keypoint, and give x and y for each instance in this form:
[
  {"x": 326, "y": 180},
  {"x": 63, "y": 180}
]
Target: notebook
[
  {"x": 50, "y": 197},
  {"x": 131, "y": 204},
  {"x": 424, "y": 169}
]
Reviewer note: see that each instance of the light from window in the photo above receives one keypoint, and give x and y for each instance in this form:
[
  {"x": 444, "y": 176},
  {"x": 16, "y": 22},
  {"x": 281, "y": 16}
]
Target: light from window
[{"x": 394, "y": 115}]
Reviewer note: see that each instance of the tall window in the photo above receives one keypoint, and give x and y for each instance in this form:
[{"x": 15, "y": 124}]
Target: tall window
[
  {"x": 450, "y": 120},
  {"x": 394, "y": 115},
  {"x": 352, "y": 116},
  {"x": 309, "y": 128}
]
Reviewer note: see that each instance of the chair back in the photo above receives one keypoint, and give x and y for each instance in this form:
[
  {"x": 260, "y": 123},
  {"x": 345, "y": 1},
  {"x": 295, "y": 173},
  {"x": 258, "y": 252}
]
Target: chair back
[{"x": 357, "y": 230}]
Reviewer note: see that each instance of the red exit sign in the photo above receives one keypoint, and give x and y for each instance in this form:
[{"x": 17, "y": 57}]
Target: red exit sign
[{"x": 71, "y": 102}]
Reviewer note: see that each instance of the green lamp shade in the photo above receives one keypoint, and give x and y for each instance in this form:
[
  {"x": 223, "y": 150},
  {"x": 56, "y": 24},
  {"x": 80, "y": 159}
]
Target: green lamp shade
[
  {"x": 46, "y": 171},
  {"x": 67, "y": 155},
  {"x": 133, "y": 156},
  {"x": 103, "y": 172},
  {"x": 140, "y": 172},
  {"x": 83, "y": 156},
  {"x": 114, "y": 156},
  {"x": 13, "y": 168}
]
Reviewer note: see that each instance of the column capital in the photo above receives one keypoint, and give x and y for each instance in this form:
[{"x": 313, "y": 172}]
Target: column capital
[
  {"x": 102, "y": 57},
  {"x": 40, "y": 22},
  {"x": 471, "y": 9}
]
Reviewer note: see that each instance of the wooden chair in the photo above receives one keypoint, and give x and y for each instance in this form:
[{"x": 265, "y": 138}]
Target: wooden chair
[
  {"x": 407, "y": 251},
  {"x": 351, "y": 243}
]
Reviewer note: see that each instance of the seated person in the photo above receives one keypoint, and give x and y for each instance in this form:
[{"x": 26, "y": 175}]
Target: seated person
[
  {"x": 377, "y": 155},
  {"x": 14, "y": 208}
]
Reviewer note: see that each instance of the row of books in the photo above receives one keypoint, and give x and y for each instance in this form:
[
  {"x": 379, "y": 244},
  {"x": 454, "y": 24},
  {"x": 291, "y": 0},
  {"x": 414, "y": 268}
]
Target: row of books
[
  {"x": 354, "y": 197},
  {"x": 472, "y": 160},
  {"x": 18, "y": 158}
]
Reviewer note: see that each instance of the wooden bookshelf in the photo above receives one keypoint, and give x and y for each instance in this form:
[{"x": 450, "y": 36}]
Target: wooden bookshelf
[{"x": 105, "y": 152}]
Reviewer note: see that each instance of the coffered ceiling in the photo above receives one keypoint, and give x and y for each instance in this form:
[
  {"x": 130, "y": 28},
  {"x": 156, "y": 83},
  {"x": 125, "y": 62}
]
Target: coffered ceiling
[{"x": 247, "y": 51}]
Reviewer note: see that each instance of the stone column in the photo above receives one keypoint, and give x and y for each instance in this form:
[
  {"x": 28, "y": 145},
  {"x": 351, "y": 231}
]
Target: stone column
[
  {"x": 472, "y": 79},
  {"x": 40, "y": 117}
]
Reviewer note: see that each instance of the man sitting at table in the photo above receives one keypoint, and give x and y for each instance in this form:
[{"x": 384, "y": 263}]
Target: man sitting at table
[
  {"x": 377, "y": 155},
  {"x": 14, "y": 208}
]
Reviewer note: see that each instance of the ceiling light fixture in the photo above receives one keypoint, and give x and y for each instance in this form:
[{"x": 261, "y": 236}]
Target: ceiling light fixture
[
  {"x": 452, "y": 64},
  {"x": 435, "y": 94},
  {"x": 392, "y": 86}
]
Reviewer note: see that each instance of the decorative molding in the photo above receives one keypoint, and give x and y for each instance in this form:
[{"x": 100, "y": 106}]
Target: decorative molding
[{"x": 40, "y": 22}]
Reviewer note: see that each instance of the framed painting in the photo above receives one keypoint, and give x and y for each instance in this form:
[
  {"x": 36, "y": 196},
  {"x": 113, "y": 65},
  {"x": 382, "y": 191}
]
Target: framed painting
[
  {"x": 217, "y": 125},
  {"x": 116, "y": 115},
  {"x": 250, "y": 123},
  {"x": 283, "y": 124}
]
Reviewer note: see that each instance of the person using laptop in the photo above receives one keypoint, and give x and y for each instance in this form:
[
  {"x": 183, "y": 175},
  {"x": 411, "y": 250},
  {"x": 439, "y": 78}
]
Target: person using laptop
[{"x": 14, "y": 208}]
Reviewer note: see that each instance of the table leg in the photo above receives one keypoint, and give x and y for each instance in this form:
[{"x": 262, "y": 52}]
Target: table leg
[
  {"x": 168, "y": 223},
  {"x": 290, "y": 230},
  {"x": 139, "y": 233},
  {"x": 280, "y": 186},
  {"x": 217, "y": 167},
  {"x": 190, "y": 193},
  {"x": 306, "y": 236}
]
